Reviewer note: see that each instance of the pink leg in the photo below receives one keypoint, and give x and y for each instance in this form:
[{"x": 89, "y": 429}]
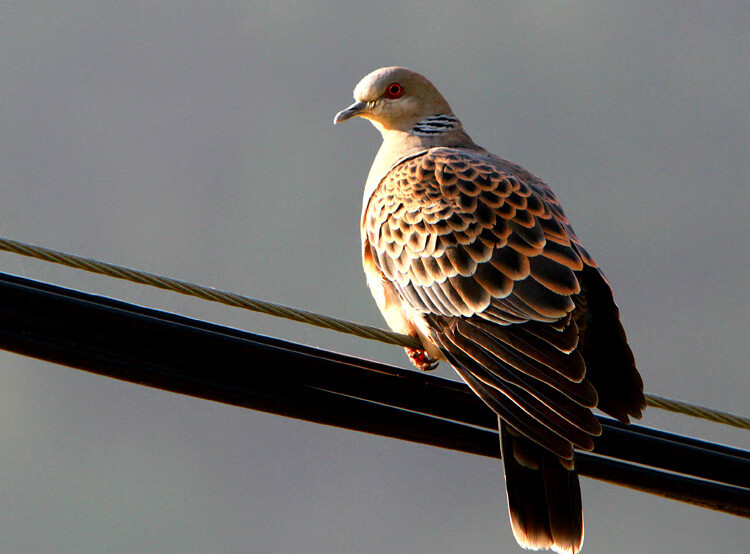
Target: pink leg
[{"x": 419, "y": 358}]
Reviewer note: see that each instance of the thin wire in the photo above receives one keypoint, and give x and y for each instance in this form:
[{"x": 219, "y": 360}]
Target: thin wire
[
  {"x": 294, "y": 314},
  {"x": 694, "y": 410},
  {"x": 206, "y": 293}
]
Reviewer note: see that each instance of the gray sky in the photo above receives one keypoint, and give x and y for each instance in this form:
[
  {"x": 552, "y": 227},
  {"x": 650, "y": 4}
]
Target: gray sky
[{"x": 194, "y": 139}]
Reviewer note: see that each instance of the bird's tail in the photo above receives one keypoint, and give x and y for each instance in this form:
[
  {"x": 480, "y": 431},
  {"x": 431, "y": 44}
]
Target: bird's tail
[{"x": 544, "y": 495}]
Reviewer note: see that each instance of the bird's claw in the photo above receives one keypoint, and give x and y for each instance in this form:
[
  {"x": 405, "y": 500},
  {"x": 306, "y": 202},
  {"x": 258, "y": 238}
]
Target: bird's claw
[{"x": 420, "y": 358}]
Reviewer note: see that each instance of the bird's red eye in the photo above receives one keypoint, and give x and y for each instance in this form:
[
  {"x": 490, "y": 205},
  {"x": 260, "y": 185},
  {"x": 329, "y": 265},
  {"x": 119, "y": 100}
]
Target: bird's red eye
[{"x": 394, "y": 90}]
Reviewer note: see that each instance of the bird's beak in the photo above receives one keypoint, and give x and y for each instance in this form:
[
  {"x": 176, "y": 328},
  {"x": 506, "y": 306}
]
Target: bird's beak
[{"x": 352, "y": 111}]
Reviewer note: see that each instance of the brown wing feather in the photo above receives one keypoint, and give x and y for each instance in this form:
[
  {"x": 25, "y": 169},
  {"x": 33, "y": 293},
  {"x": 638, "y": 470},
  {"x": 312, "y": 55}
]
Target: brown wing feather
[{"x": 482, "y": 248}]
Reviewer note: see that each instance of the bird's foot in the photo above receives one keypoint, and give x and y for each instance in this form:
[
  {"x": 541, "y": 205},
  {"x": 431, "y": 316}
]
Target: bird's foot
[{"x": 420, "y": 358}]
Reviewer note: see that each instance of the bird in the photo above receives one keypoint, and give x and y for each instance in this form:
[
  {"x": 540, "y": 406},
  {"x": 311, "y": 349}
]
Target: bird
[{"x": 473, "y": 255}]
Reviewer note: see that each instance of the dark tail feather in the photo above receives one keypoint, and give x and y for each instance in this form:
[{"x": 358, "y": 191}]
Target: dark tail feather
[{"x": 544, "y": 496}]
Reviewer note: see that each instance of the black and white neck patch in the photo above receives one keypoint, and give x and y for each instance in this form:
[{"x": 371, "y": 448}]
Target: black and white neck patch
[{"x": 435, "y": 125}]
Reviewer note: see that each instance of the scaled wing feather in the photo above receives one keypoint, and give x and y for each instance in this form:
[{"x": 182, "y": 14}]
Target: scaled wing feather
[{"x": 481, "y": 248}]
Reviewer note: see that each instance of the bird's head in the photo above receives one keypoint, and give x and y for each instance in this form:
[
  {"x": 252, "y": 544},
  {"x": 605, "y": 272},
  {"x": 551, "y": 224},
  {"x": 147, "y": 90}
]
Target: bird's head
[{"x": 395, "y": 98}]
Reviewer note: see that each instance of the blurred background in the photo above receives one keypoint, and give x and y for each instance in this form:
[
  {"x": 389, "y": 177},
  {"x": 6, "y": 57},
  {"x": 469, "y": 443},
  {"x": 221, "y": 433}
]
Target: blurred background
[{"x": 195, "y": 140}]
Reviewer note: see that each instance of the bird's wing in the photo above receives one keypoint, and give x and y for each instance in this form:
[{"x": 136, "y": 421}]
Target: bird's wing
[{"x": 483, "y": 251}]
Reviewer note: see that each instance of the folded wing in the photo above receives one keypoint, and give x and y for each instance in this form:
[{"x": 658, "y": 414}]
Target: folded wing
[{"x": 482, "y": 249}]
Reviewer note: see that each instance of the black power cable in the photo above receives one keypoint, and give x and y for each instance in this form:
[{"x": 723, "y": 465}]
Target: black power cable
[{"x": 200, "y": 359}]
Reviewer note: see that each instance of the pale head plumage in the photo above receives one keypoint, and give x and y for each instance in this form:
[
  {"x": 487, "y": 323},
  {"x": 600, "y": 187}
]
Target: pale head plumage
[{"x": 395, "y": 98}]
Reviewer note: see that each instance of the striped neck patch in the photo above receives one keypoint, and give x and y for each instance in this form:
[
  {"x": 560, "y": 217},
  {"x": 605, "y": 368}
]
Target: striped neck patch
[{"x": 435, "y": 125}]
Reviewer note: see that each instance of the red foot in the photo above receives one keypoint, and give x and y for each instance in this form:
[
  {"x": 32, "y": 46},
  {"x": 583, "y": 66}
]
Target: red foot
[{"x": 419, "y": 358}]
